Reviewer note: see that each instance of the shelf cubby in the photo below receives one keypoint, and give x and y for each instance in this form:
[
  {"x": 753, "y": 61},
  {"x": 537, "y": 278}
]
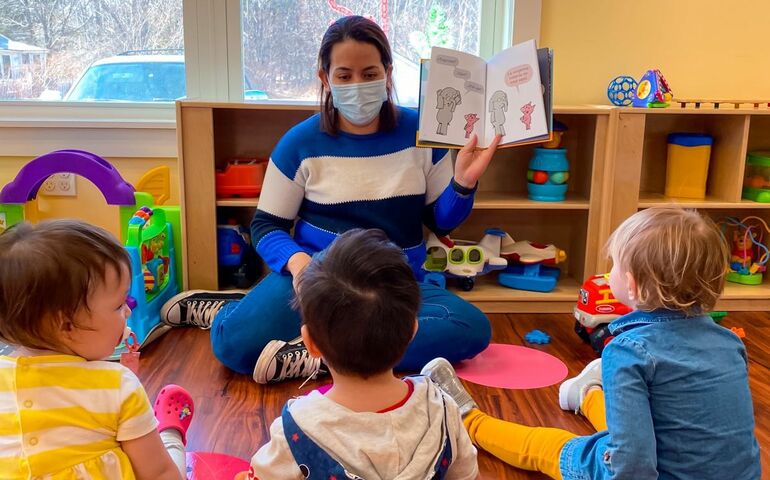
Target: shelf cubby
[
  {"x": 637, "y": 170},
  {"x": 211, "y": 133}
]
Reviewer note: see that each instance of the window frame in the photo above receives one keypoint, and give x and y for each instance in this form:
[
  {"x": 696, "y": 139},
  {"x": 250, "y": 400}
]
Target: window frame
[{"x": 212, "y": 27}]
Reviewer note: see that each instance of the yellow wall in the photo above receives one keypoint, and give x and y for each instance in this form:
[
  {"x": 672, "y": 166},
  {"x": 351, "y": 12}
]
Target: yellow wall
[
  {"x": 89, "y": 204},
  {"x": 704, "y": 48}
]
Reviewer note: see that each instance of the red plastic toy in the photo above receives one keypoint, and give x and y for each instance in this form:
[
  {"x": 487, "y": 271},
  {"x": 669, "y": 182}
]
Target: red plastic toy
[
  {"x": 242, "y": 177},
  {"x": 594, "y": 310}
]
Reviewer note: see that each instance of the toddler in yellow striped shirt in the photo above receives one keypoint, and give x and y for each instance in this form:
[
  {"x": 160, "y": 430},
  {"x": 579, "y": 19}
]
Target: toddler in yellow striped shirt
[{"x": 64, "y": 413}]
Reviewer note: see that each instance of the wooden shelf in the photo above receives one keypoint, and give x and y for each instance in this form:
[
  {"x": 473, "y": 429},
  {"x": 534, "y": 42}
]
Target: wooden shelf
[
  {"x": 647, "y": 200},
  {"x": 492, "y": 297},
  {"x": 676, "y": 110},
  {"x": 517, "y": 201},
  {"x": 210, "y": 133},
  {"x": 738, "y": 297},
  {"x": 237, "y": 202},
  {"x": 735, "y": 291}
]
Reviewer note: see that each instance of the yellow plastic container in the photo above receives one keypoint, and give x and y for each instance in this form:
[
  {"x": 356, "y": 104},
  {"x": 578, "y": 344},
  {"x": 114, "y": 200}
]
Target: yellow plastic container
[{"x": 688, "y": 165}]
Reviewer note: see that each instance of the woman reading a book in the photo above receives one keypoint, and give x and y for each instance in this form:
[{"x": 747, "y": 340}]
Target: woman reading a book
[{"x": 353, "y": 165}]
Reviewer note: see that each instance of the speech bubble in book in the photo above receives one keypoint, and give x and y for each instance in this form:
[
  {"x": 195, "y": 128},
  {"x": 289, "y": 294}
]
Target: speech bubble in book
[
  {"x": 518, "y": 75},
  {"x": 447, "y": 60},
  {"x": 461, "y": 73},
  {"x": 474, "y": 87}
]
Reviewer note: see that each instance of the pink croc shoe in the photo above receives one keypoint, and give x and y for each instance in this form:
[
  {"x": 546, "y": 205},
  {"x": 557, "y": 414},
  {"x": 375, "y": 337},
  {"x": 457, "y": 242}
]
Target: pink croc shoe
[{"x": 174, "y": 409}]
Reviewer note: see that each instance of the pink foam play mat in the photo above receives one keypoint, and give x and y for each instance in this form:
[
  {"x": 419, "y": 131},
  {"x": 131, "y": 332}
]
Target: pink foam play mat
[
  {"x": 512, "y": 366},
  {"x": 214, "y": 466}
]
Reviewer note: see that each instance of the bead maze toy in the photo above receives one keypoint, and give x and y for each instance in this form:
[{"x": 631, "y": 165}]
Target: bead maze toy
[
  {"x": 151, "y": 233},
  {"x": 748, "y": 253}
]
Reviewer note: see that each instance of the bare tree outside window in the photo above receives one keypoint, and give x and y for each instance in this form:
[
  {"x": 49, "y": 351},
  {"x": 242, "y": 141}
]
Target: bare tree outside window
[
  {"x": 281, "y": 39},
  {"x": 45, "y": 45}
]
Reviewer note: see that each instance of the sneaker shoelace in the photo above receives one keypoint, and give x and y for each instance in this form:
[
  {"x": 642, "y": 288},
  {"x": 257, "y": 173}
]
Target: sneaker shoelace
[
  {"x": 298, "y": 364},
  {"x": 202, "y": 313}
]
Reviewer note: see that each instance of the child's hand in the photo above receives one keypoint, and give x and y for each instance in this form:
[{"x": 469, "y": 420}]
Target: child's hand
[
  {"x": 472, "y": 163},
  {"x": 296, "y": 265}
]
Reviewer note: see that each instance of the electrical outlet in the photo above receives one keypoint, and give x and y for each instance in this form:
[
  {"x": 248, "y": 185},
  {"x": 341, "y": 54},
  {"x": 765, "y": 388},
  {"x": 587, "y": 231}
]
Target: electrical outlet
[{"x": 59, "y": 185}]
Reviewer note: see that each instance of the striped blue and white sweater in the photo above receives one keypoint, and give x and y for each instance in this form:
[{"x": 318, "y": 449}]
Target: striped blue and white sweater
[{"x": 333, "y": 184}]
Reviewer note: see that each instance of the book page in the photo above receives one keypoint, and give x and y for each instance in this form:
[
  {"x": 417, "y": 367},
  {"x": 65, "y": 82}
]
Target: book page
[
  {"x": 452, "y": 98},
  {"x": 514, "y": 100}
]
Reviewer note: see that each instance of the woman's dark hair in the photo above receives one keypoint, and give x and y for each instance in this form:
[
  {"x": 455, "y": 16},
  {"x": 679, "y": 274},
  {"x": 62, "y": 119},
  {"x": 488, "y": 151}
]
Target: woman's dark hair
[{"x": 363, "y": 30}]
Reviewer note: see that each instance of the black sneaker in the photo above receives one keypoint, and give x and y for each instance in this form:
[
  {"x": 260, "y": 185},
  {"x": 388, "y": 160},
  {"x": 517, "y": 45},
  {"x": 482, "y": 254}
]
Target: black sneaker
[
  {"x": 196, "y": 308},
  {"x": 281, "y": 361}
]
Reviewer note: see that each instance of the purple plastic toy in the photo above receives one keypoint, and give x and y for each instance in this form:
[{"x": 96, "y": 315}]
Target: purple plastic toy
[{"x": 99, "y": 171}]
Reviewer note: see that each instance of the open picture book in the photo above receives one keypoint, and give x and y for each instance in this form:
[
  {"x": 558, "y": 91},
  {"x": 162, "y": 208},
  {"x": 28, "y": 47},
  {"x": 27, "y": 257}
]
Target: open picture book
[{"x": 462, "y": 94}]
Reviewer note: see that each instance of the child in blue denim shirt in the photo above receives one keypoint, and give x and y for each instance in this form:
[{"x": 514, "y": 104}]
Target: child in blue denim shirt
[{"x": 670, "y": 396}]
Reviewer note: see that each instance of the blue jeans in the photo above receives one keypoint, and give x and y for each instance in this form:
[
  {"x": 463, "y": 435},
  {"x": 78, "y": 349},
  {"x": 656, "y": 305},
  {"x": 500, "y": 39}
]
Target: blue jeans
[{"x": 449, "y": 326}]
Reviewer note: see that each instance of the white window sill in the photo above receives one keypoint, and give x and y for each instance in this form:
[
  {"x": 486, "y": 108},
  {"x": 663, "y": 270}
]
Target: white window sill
[
  {"x": 87, "y": 115},
  {"x": 30, "y": 129}
]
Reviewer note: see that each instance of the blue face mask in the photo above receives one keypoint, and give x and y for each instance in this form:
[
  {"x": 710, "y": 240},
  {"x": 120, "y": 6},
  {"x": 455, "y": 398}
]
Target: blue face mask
[{"x": 359, "y": 103}]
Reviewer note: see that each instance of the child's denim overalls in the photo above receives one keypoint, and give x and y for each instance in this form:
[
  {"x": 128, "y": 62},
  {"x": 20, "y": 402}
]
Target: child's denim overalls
[{"x": 315, "y": 463}]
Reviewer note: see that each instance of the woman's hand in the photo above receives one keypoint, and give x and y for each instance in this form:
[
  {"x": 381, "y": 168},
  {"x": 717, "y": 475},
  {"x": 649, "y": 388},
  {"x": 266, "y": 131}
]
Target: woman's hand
[
  {"x": 296, "y": 264},
  {"x": 472, "y": 163}
]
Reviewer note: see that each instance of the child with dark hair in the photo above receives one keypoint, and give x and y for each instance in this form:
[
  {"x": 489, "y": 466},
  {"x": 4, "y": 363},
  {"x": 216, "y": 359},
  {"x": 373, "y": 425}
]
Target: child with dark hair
[
  {"x": 358, "y": 304},
  {"x": 64, "y": 413}
]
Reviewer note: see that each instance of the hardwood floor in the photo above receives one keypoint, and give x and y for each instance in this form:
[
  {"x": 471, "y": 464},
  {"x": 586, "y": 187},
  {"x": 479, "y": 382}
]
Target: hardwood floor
[{"x": 233, "y": 414}]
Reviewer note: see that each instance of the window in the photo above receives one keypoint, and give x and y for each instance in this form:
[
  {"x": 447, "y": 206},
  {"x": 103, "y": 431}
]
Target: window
[
  {"x": 280, "y": 55},
  {"x": 91, "y": 50}
]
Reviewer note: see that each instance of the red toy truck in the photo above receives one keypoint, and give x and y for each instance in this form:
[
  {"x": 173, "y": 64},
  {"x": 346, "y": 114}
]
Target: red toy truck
[{"x": 595, "y": 309}]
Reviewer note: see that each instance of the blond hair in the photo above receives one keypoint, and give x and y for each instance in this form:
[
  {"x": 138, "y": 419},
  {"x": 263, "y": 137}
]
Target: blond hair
[{"x": 677, "y": 257}]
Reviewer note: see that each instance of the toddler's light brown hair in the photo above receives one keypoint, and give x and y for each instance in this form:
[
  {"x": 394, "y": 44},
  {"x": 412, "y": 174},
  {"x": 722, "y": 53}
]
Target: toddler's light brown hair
[{"x": 677, "y": 257}]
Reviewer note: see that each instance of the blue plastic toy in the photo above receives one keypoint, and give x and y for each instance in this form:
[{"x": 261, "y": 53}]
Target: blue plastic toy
[
  {"x": 237, "y": 259},
  {"x": 150, "y": 247},
  {"x": 621, "y": 90},
  {"x": 548, "y": 174},
  {"x": 530, "y": 277},
  {"x": 537, "y": 337},
  {"x": 653, "y": 91}
]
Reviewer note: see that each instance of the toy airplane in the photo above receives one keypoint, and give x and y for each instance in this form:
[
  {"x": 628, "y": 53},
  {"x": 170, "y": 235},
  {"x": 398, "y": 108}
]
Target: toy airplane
[
  {"x": 528, "y": 253},
  {"x": 531, "y": 265},
  {"x": 466, "y": 260}
]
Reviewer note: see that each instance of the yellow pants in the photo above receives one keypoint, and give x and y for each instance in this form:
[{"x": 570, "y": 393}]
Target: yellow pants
[{"x": 530, "y": 448}]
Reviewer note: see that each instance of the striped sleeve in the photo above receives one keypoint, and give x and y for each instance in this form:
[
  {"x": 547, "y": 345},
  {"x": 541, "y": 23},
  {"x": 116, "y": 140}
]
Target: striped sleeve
[
  {"x": 279, "y": 204},
  {"x": 448, "y": 204},
  {"x": 136, "y": 418}
]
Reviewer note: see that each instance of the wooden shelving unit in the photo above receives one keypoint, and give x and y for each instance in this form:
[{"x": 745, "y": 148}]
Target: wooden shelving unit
[
  {"x": 238, "y": 202},
  {"x": 210, "y": 133},
  {"x": 637, "y": 170}
]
